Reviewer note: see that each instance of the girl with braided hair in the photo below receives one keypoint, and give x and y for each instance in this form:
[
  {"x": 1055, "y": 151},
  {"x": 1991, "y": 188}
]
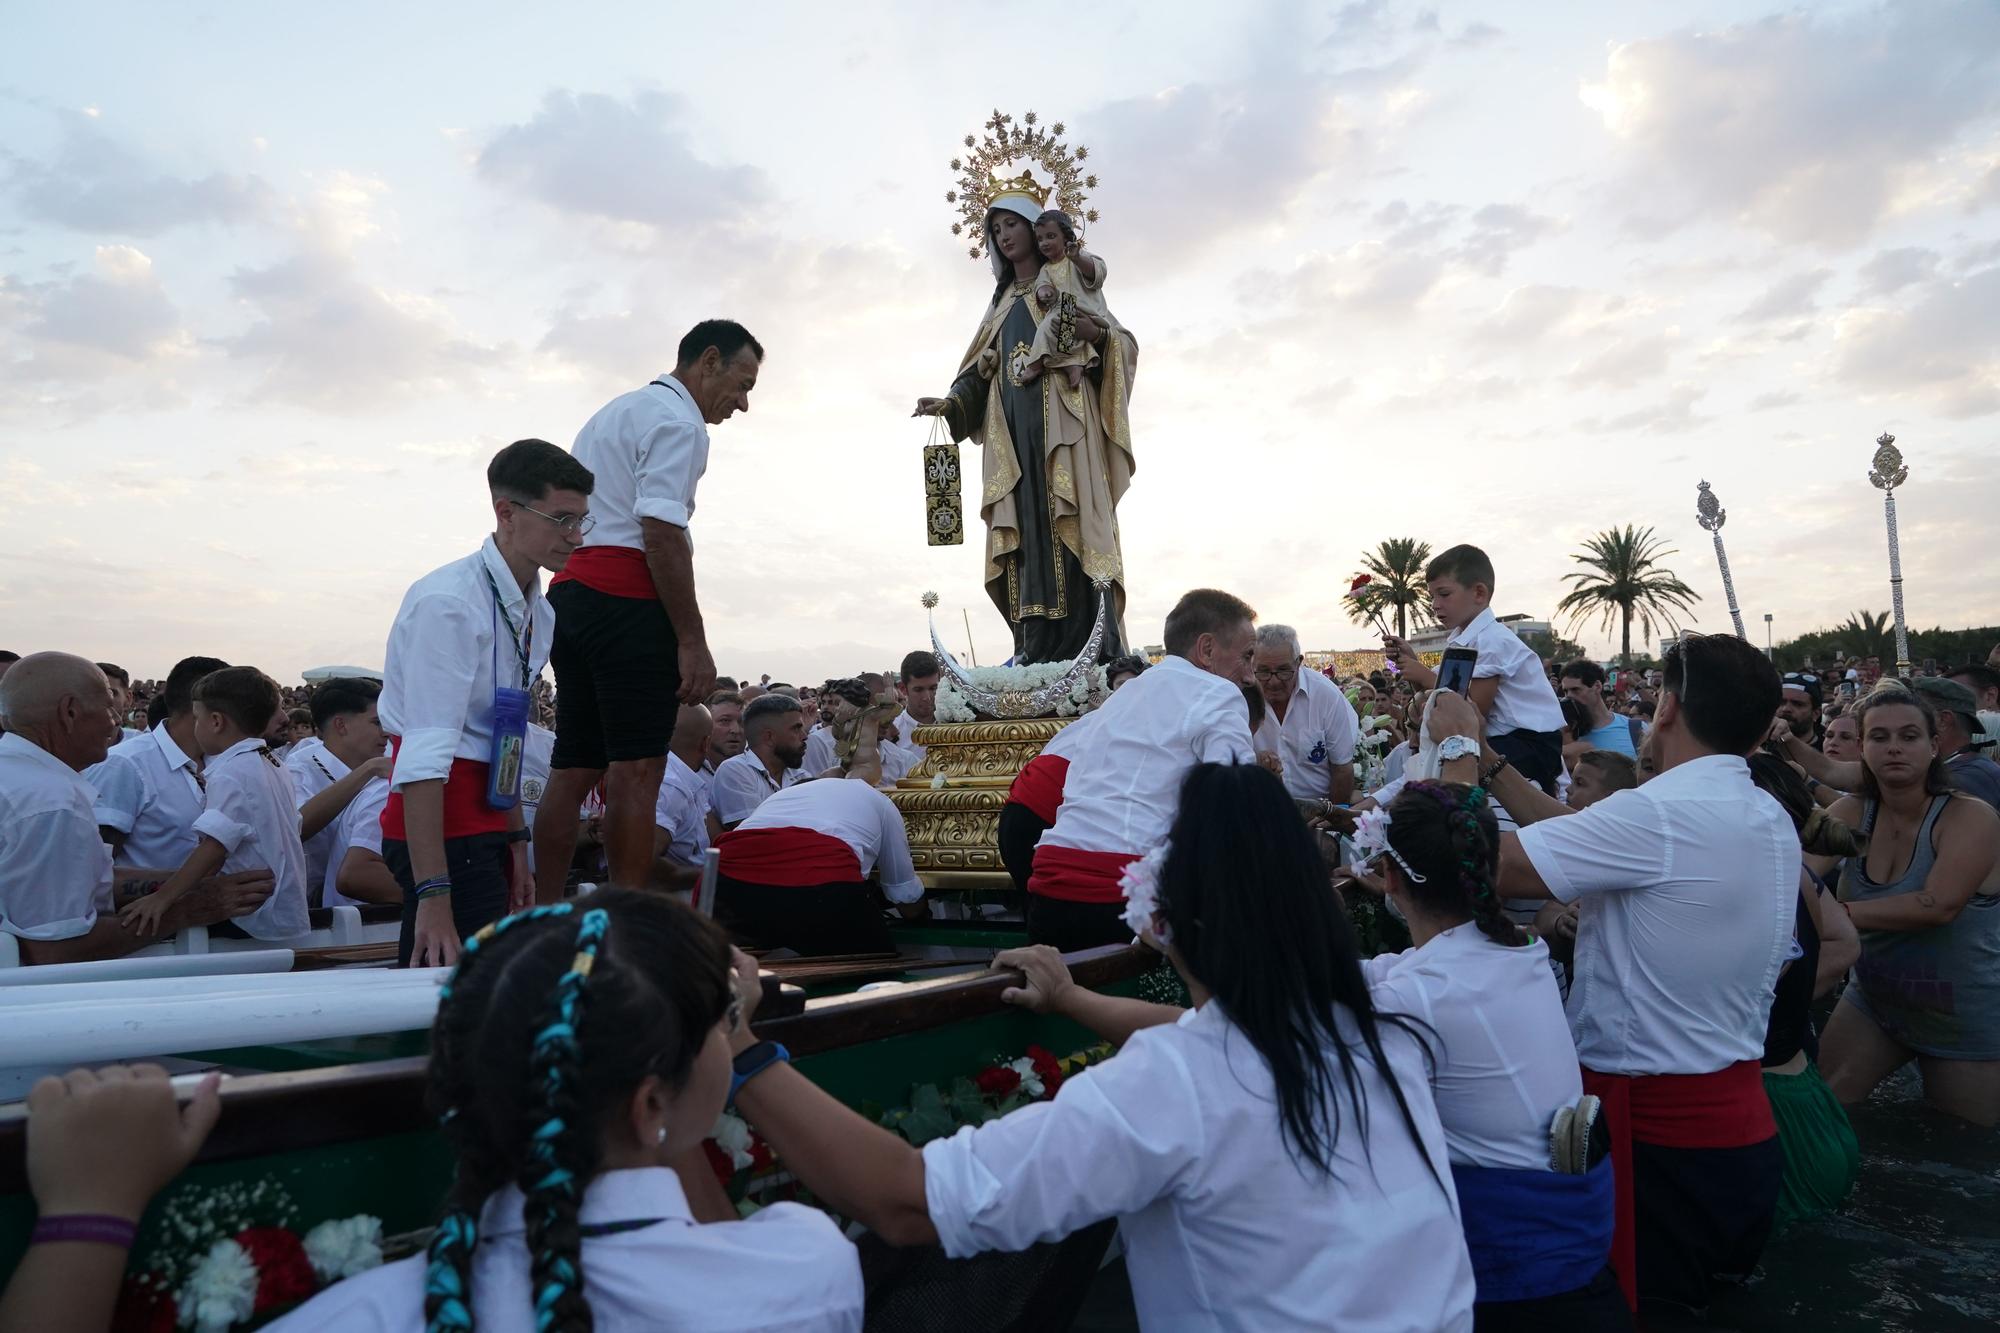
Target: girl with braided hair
[
  {"x": 580, "y": 1055},
  {"x": 1535, "y": 1201}
]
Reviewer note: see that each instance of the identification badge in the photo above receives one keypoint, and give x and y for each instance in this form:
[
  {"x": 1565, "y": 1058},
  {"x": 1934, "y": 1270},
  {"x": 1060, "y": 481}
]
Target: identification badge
[{"x": 510, "y": 738}]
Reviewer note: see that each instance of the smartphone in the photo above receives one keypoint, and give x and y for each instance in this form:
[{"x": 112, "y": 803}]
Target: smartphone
[
  {"x": 1614, "y": 679},
  {"x": 1455, "y": 672}
]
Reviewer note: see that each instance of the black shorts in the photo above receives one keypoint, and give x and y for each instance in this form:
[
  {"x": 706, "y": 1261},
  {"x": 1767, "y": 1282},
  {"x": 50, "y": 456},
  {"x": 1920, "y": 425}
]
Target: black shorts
[
  {"x": 617, "y": 666},
  {"x": 822, "y": 919},
  {"x": 1071, "y": 926},
  {"x": 1535, "y": 755}
]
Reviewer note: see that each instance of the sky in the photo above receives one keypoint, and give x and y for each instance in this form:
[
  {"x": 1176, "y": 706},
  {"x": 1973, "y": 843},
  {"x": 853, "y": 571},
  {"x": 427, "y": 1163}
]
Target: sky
[{"x": 275, "y": 282}]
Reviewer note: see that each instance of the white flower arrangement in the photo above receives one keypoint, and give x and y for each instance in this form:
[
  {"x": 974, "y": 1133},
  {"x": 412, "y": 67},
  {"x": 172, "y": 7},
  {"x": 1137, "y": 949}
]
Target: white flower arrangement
[
  {"x": 952, "y": 707},
  {"x": 221, "y": 1291},
  {"x": 732, "y": 1135},
  {"x": 1032, "y": 1086},
  {"x": 1140, "y": 884},
  {"x": 342, "y": 1247}
]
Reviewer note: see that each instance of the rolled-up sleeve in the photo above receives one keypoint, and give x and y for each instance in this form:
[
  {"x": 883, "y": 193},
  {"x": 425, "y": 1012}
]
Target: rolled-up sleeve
[
  {"x": 1116, "y": 1138},
  {"x": 1220, "y": 727},
  {"x": 55, "y": 876},
  {"x": 1620, "y": 843},
  {"x": 735, "y": 799},
  {"x": 670, "y": 460},
  {"x": 894, "y": 869},
  {"x": 434, "y": 688},
  {"x": 223, "y": 796},
  {"x": 120, "y": 794}
]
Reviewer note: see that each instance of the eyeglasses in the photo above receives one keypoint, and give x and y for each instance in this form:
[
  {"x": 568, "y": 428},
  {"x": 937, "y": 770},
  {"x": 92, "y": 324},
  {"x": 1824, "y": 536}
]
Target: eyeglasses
[
  {"x": 569, "y": 524},
  {"x": 1274, "y": 673}
]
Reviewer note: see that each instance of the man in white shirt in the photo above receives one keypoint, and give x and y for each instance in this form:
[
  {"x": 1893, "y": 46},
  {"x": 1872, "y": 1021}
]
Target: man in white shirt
[
  {"x": 680, "y": 817},
  {"x": 1308, "y": 722},
  {"x": 465, "y": 631},
  {"x": 1123, "y": 784},
  {"x": 725, "y": 737},
  {"x": 356, "y": 874},
  {"x": 149, "y": 788},
  {"x": 330, "y": 771},
  {"x": 1689, "y": 886},
  {"x": 57, "y": 882},
  {"x": 796, "y": 873},
  {"x": 917, "y": 681},
  {"x": 775, "y": 735},
  {"x": 629, "y": 643}
]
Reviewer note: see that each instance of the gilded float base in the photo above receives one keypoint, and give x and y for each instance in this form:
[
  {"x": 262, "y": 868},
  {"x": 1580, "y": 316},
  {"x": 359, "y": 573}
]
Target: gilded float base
[{"x": 954, "y": 825}]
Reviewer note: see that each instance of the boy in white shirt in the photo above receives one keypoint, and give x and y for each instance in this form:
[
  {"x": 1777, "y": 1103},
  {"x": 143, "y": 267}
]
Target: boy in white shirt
[
  {"x": 1510, "y": 687},
  {"x": 248, "y": 820}
]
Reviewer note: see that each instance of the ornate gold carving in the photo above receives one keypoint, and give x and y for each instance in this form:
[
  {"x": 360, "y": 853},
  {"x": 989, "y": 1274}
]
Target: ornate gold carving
[{"x": 955, "y": 829}]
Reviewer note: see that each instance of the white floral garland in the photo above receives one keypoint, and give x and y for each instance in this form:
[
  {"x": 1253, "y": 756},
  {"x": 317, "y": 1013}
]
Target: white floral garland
[{"x": 952, "y": 707}]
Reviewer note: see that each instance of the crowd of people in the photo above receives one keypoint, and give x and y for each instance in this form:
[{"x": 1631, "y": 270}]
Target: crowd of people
[{"x": 1593, "y": 1082}]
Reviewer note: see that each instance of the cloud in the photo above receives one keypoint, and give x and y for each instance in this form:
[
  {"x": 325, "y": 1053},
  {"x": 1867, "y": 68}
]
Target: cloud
[
  {"x": 1367, "y": 278},
  {"x": 1788, "y": 298},
  {"x": 1892, "y": 270},
  {"x": 120, "y": 310},
  {"x": 1803, "y": 126},
  {"x": 1625, "y": 361},
  {"x": 1671, "y": 415},
  {"x": 623, "y": 161},
  {"x": 1943, "y": 348},
  {"x": 1498, "y": 230},
  {"x": 88, "y": 343},
  {"x": 1775, "y": 398},
  {"x": 93, "y": 183},
  {"x": 328, "y": 339},
  {"x": 1525, "y": 314}
]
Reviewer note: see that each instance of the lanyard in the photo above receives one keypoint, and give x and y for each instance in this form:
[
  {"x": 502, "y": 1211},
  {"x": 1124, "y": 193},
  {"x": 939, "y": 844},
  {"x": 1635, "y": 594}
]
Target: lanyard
[{"x": 523, "y": 643}]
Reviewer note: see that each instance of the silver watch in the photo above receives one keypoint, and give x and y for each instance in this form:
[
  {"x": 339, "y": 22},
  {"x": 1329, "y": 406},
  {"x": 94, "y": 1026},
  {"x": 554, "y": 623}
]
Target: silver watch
[{"x": 1458, "y": 747}]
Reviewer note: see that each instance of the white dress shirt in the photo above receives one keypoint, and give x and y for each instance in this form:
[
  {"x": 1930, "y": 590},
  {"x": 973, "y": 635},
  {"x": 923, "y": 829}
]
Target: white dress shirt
[
  {"x": 647, "y": 450},
  {"x": 819, "y": 751},
  {"x": 1526, "y": 701},
  {"x": 250, "y": 812},
  {"x": 1689, "y": 886},
  {"x": 149, "y": 789},
  {"x": 1123, "y": 788},
  {"x": 784, "y": 1269},
  {"x": 1177, "y": 1136},
  {"x": 1505, "y": 1064},
  {"x": 449, "y": 636},
  {"x": 537, "y": 751},
  {"x": 359, "y": 825},
  {"x": 682, "y": 811},
  {"x": 1316, "y": 737},
  {"x": 741, "y": 785},
  {"x": 859, "y": 816},
  {"x": 55, "y": 869},
  {"x": 906, "y": 728},
  {"x": 313, "y": 768}
]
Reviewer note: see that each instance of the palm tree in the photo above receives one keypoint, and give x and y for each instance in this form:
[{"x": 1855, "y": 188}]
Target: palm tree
[
  {"x": 1396, "y": 579},
  {"x": 1622, "y": 578},
  {"x": 1870, "y": 629}
]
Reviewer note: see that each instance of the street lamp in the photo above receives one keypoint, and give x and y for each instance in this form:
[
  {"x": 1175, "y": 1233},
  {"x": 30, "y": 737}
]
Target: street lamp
[{"x": 1767, "y": 635}]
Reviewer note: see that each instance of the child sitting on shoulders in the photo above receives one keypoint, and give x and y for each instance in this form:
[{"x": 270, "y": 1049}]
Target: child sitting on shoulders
[
  {"x": 1509, "y": 685},
  {"x": 248, "y": 820},
  {"x": 1072, "y": 279}
]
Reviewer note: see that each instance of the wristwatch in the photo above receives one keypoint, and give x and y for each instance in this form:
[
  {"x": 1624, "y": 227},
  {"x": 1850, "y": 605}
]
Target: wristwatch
[
  {"x": 1458, "y": 747},
  {"x": 753, "y": 1061},
  {"x": 520, "y": 835}
]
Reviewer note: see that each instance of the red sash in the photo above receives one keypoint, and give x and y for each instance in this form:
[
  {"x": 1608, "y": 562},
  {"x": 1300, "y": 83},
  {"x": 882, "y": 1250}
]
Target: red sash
[
  {"x": 1726, "y": 1109},
  {"x": 617, "y": 571},
  {"x": 1079, "y": 876},
  {"x": 465, "y": 808},
  {"x": 787, "y": 858},
  {"x": 1039, "y": 786}
]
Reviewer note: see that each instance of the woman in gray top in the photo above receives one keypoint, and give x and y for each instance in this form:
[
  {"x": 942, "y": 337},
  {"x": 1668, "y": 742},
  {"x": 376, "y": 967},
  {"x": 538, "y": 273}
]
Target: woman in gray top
[{"x": 1925, "y": 897}]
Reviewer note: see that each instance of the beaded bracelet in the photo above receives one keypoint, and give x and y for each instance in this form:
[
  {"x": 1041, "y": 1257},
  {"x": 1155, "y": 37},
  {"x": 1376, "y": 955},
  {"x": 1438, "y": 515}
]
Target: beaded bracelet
[
  {"x": 97, "y": 1228},
  {"x": 434, "y": 886}
]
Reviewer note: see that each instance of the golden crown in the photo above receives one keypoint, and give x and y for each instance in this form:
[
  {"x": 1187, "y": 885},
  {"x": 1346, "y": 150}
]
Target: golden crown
[{"x": 1008, "y": 144}]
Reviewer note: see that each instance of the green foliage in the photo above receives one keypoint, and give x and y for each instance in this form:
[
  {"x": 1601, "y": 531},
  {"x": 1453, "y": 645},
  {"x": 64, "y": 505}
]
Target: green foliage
[
  {"x": 1397, "y": 570},
  {"x": 1554, "y": 648},
  {"x": 1868, "y": 635},
  {"x": 1622, "y": 580},
  {"x": 1376, "y": 930}
]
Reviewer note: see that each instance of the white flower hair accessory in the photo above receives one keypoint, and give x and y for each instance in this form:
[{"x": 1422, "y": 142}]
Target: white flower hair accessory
[
  {"x": 1140, "y": 884},
  {"x": 1371, "y": 839}
]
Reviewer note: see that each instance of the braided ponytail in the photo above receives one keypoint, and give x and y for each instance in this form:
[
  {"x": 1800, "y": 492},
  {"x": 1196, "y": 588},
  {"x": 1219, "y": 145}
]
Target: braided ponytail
[
  {"x": 563, "y": 1152},
  {"x": 448, "y": 1278},
  {"x": 1447, "y": 833}
]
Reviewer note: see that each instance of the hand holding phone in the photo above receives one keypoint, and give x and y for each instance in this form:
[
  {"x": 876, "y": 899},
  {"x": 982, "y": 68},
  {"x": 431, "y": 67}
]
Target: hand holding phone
[{"x": 1455, "y": 671}]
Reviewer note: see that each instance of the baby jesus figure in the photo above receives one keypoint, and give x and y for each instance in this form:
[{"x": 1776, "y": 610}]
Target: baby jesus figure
[{"x": 1072, "y": 279}]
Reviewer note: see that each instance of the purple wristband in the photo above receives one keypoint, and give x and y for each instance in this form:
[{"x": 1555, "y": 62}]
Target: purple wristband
[{"x": 98, "y": 1228}]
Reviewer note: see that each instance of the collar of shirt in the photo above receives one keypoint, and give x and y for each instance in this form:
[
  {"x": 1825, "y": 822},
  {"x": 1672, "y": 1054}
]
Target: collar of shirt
[
  {"x": 1700, "y": 776},
  {"x": 641, "y": 1194},
  {"x": 666, "y": 380},
  {"x": 175, "y": 756},
  {"x": 14, "y": 743},
  {"x": 513, "y": 599},
  {"x": 1473, "y": 628}
]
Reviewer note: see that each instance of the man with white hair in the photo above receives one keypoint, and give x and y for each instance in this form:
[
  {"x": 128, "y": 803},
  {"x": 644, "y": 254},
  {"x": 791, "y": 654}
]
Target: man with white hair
[
  {"x": 58, "y": 890},
  {"x": 1308, "y": 722}
]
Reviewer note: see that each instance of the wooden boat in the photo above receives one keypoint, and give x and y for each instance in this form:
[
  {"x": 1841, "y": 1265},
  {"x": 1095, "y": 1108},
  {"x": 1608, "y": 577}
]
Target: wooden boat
[{"x": 335, "y": 1127}]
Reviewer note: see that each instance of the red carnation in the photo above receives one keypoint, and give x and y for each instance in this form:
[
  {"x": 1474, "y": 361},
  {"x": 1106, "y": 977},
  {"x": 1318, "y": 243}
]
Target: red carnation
[
  {"x": 761, "y": 1155},
  {"x": 1047, "y": 1068},
  {"x": 144, "y": 1306},
  {"x": 284, "y": 1274},
  {"x": 997, "y": 1081},
  {"x": 1360, "y": 581},
  {"x": 719, "y": 1161}
]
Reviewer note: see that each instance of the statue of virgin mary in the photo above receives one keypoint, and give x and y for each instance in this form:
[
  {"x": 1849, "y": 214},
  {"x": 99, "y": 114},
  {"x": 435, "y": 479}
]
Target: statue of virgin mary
[{"x": 1055, "y": 458}]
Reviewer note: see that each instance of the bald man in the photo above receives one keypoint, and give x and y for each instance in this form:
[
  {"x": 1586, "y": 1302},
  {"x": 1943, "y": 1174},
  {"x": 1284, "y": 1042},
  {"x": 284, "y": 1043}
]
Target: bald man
[
  {"x": 680, "y": 817},
  {"x": 58, "y": 890}
]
